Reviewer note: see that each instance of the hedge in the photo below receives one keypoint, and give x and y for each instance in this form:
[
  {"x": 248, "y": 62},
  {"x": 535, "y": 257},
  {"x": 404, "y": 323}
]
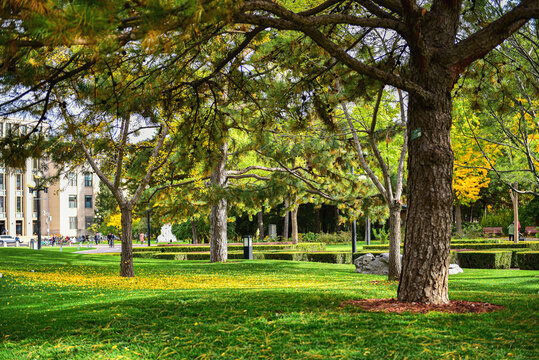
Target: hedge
[
  {"x": 528, "y": 260},
  {"x": 485, "y": 259},
  {"x": 330, "y": 257},
  {"x": 533, "y": 245},
  {"x": 202, "y": 248}
]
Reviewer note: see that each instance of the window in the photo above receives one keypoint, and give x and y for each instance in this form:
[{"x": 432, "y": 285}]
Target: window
[
  {"x": 2, "y": 181},
  {"x": 8, "y": 128},
  {"x": 1, "y": 129},
  {"x": 72, "y": 201},
  {"x": 2, "y": 204},
  {"x": 88, "y": 222},
  {"x": 18, "y": 227},
  {"x": 18, "y": 204},
  {"x": 88, "y": 201},
  {"x": 73, "y": 222},
  {"x": 18, "y": 181},
  {"x": 36, "y": 204},
  {"x": 72, "y": 179},
  {"x": 88, "y": 179}
]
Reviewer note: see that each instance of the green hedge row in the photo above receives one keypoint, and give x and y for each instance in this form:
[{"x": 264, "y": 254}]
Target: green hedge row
[
  {"x": 528, "y": 260},
  {"x": 485, "y": 259},
  {"x": 326, "y": 257},
  {"x": 533, "y": 245},
  {"x": 203, "y": 248}
]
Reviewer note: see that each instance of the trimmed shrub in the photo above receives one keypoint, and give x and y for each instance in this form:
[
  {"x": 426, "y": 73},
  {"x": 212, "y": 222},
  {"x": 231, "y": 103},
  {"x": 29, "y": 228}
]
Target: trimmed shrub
[
  {"x": 306, "y": 247},
  {"x": 528, "y": 260},
  {"x": 485, "y": 259},
  {"x": 501, "y": 245},
  {"x": 330, "y": 257},
  {"x": 292, "y": 256},
  {"x": 452, "y": 255},
  {"x": 203, "y": 248},
  {"x": 342, "y": 237}
]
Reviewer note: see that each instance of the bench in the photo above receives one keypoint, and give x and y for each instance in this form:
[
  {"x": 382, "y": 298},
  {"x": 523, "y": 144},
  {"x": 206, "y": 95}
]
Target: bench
[
  {"x": 493, "y": 231},
  {"x": 531, "y": 230}
]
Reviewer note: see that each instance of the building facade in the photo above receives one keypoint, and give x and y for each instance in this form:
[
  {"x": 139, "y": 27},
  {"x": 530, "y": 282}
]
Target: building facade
[{"x": 66, "y": 207}]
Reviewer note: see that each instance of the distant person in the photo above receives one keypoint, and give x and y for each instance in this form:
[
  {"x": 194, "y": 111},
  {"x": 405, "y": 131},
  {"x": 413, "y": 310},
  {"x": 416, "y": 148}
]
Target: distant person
[
  {"x": 96, "y": 239},
  {"x": 141, "y": 238},
  {"x": 68, "y": 241},
  {"x": 511, "y": 231},
  {"x": 110, "y": 238}
]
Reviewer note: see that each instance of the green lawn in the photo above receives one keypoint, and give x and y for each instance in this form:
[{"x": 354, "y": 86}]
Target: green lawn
[{"x": 75, "y": 306}]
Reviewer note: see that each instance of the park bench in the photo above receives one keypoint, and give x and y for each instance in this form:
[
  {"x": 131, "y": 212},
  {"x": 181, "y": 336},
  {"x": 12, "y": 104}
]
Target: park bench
[
  {"x": 531, "y": 230},
  {"x": 493, "y": 231}
]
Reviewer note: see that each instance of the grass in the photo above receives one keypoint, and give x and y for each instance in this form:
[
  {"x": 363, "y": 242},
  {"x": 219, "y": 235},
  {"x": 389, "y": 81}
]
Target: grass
[{"x": 74, "y": 306}]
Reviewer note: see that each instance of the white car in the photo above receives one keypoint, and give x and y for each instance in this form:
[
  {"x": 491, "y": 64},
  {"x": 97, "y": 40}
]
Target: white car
[{"x": 9, "y": 239}]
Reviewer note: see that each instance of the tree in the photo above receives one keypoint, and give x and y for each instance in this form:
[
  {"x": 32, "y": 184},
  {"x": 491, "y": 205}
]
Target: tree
[{"x": 437, "y": 56}]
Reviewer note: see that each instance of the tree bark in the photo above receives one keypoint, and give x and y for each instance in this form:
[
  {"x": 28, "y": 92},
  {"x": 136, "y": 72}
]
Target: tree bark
[
  {"x": 286, "y": 225},
  {"x": 126, "y": 265},
  {"x": 430, "y": 171},
  {"x": 458, "y": 219},
  {"x": 194, "y": 231},
  {"x": 218, "y": 215},
  {"x": 260, "y": 218},
  {"x": 394, "y": 270},
  {"x": 294, "y": 216}
]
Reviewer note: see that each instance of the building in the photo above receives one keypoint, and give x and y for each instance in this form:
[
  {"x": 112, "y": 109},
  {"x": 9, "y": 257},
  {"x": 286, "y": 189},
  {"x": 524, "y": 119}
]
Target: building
[{"x": 67, "y": 206}]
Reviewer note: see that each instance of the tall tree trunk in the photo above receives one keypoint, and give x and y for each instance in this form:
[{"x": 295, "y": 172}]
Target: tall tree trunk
[
  {"x": 458, "y": 219},
  {"x": 218, "y": 215},
  {"x": 260, "y": 218},
  {"x": 126, "y": 265},
  {"x": 286, "y": 225},
  {"x": 471, "y": 212},
  {"x": 194, "y": 231},
  {"x": 394, "y": 270},
  {"x": 294, "y": 216},
  {"x": 514, "y": 199},
  {"x": 430, "y": 171},
  {"x": 317, "y": 220}
]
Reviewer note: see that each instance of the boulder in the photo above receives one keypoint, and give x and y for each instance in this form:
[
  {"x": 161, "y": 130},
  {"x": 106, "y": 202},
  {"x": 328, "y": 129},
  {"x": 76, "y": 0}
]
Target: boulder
[
  {"x": 378, "y": 265},
  {"x": 454, "y": 269}
]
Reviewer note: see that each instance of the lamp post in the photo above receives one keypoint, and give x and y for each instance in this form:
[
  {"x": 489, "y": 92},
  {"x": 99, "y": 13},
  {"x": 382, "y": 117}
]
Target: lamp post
[
  {"x": 148, "y": 221},
  {"x": 37, "y": 188},
  {"x": 248, "y": 247}
]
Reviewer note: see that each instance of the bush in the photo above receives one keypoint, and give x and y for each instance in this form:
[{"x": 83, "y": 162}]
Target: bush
[
  {"x": 528, "y": 260},
  {"x": 309, "y": 247},
  {"x": 206, "y": 248},
  {"x": 501, "y": 219},
  {"x": 485, "y": 259},
  {"x": 452, "y": 255},
  {"x": 502, "y": 245},
  {"x": 308, "y": 237},
  {"x": 330, "y": 257},
  {"x": 382, "y": 235},
  {"x": 342, "y": 237},
  {"x": 292, "y": 256}
]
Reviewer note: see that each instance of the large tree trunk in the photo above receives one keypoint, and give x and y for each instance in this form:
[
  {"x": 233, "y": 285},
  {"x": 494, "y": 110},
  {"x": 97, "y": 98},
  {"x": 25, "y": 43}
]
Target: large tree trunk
[
  {"x": 218, "y": 215},
  {"x": 458, "y": 219},
  {"x": 294, "y": 216},
  {"x": 430, "y": 171},
  {"x": 394, "y": 241},
  {"x": 286, "y": 225},
  {"x": 260, "y": 218},
  {"x": 126, "y": 265},
  {"x": 194, "y": 231}
]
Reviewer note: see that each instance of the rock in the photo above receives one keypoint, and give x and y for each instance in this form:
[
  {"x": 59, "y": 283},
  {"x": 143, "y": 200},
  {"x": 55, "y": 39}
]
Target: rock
[
  {"x": 369, "y": 264},
  {"x": 454, "y": 269}
]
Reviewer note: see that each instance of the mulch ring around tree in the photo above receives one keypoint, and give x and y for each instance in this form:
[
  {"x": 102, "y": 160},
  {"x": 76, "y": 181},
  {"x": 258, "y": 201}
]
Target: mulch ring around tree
[{"x": 394, "y": 306}]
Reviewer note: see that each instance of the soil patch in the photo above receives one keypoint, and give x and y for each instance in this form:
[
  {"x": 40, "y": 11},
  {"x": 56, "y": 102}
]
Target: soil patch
[{"x": 394, "y": 306}]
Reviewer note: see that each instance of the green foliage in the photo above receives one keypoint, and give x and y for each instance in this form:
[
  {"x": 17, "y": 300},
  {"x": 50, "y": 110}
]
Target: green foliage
[
  {"x": 327, "y": 257},
  {"x": 469, "y": 230},
  {"x": 485, "y": 259},
  {"x": 528, "y": 260},
  {"x": 502, "y": 218},
  {"x": 206, "y": 248},
  {"x": 341, "y": 237},
  {"x": 308, "y": 237},
  {"x": 529, "y": 213},
  {"x": 381, "y": 234}
]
